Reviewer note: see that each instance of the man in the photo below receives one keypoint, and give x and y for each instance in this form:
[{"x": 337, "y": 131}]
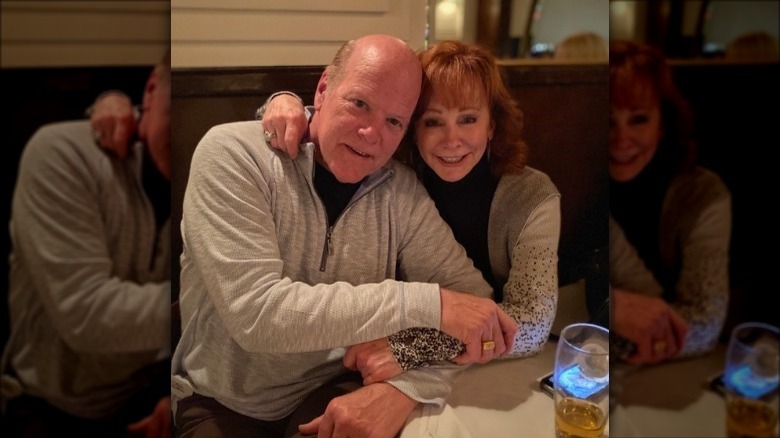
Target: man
[
  {"x": 286, "y": 262},
  {"x": 89, "y": 295}
]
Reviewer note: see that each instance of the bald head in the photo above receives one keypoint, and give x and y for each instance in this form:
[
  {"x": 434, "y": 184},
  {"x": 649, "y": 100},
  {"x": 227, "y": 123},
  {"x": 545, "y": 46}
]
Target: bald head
[{"x": 376, "y": 49}]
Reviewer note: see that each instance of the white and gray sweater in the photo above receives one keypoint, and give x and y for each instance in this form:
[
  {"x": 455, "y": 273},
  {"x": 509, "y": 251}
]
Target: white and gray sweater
[{"x": 90, "y": 292}]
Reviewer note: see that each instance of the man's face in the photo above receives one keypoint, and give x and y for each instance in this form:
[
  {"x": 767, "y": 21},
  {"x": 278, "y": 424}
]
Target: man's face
[
  {"x": 155, "y": 126},
  {"x": 360, "y": 121}
]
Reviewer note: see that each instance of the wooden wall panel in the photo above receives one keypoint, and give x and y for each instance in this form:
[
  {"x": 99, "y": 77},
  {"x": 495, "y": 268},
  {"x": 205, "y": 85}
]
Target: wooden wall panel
[
  {"x": 244, "y": 33},
  {"x": 83, "y": 33}
]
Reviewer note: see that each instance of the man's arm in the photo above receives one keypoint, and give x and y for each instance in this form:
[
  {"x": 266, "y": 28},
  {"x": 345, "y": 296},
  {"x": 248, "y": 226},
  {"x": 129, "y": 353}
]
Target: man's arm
[
  {"x": 376, "y": 410},
  {"x": 231, "y": 237},
  {"x": 58, "y": 232},
  {"x": 230, "y": 234}
]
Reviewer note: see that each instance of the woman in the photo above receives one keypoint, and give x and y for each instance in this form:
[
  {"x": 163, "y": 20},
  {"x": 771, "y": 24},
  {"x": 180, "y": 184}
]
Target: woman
[
  {"x": 674, "y": 214},
  {"x": 467, "y": 150}
]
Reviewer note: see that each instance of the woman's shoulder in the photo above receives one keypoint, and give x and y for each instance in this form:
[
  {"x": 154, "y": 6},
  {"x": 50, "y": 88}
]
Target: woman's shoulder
[
  {"x": 699, "y": 184},
  {"x": 528, "y": 183},
  {"x": 518, "y": 195}
]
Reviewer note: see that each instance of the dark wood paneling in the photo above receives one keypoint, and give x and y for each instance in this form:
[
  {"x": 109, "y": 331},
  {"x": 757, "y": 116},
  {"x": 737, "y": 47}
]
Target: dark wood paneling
[
  {"x": 566, "y": 109},
  {"x": 737, "y": 117}
]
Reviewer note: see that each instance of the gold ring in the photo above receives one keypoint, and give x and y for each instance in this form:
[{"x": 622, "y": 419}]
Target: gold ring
[
  {"x": 659, "y": 346},
  {"x": 488, "y": 345},
  {"x": 269, "y": 135}
]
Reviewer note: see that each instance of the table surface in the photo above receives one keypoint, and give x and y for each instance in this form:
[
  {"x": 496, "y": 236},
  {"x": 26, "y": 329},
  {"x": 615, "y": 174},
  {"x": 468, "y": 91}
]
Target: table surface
[
  {"x": 495, "y": 400},
  {"x": 670, "y": 399},
  {"x": 503, "y": 399}
]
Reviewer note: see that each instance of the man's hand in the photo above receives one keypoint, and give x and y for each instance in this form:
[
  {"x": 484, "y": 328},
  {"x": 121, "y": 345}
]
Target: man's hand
[
  {"x": 156, "y": 425},
  {"x": 113, "y": 122},
  {"x": 285, "y": 119},
  {"x": 651, "y": 323},
  {"x": 373, "y": 411},
  {"x": 474, "y": 320},
  {"x": 374, "y": 360}
]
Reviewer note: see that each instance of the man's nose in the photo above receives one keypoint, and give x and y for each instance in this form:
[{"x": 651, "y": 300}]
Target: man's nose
[{"x": 369, "y": 132}]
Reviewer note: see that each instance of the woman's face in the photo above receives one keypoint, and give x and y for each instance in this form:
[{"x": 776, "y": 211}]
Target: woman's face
[
  {"x": 453, "y": 140},
  {"x": 634, "y": 133}
]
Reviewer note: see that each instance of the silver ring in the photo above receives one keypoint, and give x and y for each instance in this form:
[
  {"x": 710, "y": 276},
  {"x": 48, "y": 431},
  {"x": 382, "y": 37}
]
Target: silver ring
[
  {"x": 96, "y": 135},
  {"x": 269, "y": 136}
]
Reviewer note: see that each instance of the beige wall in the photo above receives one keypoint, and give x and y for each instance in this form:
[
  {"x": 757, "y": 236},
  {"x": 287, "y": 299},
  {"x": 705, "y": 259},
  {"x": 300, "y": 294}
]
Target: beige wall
[
  {"x": 233, "y": 33},
  {"x": 83, "y": 33}
]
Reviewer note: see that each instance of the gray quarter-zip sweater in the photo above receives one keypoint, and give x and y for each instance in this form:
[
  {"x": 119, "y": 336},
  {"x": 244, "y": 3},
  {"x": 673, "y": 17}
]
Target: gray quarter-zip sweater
[
  {"x": 272, "y": 293},
  {"x": 90, "y": 291}
]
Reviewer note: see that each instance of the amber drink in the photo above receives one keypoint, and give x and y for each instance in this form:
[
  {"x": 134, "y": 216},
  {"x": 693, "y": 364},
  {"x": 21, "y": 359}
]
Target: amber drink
[
  {"x": 581, "y": 381},
  {"x": 751, "y": 381}
]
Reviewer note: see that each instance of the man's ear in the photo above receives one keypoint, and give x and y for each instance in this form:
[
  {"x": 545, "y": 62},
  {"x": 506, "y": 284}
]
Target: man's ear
[
  {"x": 319, "y": 95},
  {"x": 151, "y": 88}
]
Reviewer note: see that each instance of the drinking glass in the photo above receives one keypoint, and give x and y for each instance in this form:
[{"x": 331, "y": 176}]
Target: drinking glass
[
  {"x": 751, "y": 379},
  {"x": 581, "y": 381}
]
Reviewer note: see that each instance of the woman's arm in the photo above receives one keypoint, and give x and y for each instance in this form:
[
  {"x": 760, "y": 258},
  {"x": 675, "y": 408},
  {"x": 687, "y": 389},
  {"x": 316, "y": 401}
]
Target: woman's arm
[
  {"x": 703, "y": 287},
  {"x": 531, "y": 291},
  {"x": 285, "y": 121}
]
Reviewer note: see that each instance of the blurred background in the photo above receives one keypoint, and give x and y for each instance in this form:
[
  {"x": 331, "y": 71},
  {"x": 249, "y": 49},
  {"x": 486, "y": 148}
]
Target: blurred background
[
  {"x": 55, "y": 58},
  {"x": 725, "y": 60}
]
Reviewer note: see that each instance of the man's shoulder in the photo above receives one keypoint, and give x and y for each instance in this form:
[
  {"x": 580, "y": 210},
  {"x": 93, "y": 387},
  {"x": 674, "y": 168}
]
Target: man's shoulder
[
  {"x": 64, "y": 130},
  {"x": 403, "y": 177},
  {"x": 243, "y": 135},
  {"x": 70, "y": 139},
  {"x": 401, "y": 171},
  {"x": 245, "y": 129}
]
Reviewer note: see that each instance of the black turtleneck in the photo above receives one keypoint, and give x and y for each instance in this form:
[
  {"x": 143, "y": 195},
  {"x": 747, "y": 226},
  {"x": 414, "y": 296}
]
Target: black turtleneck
[
  {"x": 157, "y": 189},
  {"x": 465, "y": 206},
  {"x": 636, "y": 206},
  {"x": 333, "y": 193}
]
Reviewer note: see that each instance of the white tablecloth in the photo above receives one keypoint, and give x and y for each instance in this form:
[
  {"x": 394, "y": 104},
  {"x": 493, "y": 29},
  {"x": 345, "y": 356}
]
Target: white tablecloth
[{"x": 501, "y": 399}]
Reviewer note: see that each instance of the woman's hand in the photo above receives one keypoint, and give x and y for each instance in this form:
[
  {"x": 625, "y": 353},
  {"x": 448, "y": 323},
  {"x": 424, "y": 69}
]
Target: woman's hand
[
  {"x": 483, "y": 327},
  {"x": 651, "y": 323},
  {"x": 113, "y": 122},
  {"x": 285, "y": 120}
]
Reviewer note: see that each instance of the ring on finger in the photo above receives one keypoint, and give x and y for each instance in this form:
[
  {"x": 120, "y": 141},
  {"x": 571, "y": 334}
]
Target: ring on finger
[
  {"x": 659, "y": 346},
  {"x": 97, "y": 135},
  {"x": 488, "y": 345},
  {"x": 269, "y": 135}
]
